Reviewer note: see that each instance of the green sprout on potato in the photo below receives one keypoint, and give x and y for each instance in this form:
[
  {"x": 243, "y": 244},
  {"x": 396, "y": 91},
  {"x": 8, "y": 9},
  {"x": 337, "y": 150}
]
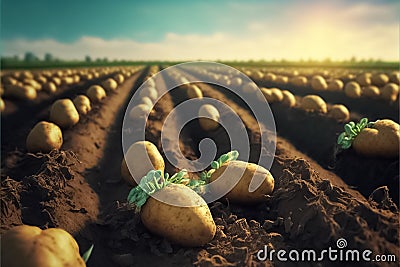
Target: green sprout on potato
[
  {"x": 155, "y": 180},
  {"x": 87, "y": 254},
  {"x": 232, "y": 155},
  {"x": 351, "y": 130}
]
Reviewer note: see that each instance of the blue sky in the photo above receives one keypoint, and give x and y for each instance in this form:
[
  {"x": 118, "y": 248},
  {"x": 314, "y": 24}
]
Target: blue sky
[{"x": 202, "y": 29}]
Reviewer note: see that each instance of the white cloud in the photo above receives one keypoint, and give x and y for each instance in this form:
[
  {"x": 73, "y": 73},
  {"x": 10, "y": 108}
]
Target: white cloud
[{"x": 302, "y": 32}]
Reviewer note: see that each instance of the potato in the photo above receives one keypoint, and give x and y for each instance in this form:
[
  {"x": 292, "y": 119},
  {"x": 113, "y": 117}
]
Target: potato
[
  {"x": 352, "y": 90},
  {"x": 379, "y": 79},
  {"x": 282, "y": 79},
  {"x": 141, "y": 157},
  {"x": 270, "y": 77},
  {"x": 394, "y": 77},
  {"x": 299, "y": 80},
  {"x": 240, "y": 192},
  {"x": 211, "y": 122},
  {"x": 119, "y": 78},
  {"x": 276, "y": 94},
  {"x": 188, "y": 222},
  {"x": 257, "y": 75},
  {"x": 318, "y": 83},
  {"x": 194, "y": 91},
  {"x": 390, "y": 92},
  {"x": 364, "y": 79},
  {"x": 147, "y": 101},
  {"x": 236, "y": 82},
  {"x": 76, "y": 78},
  {"x": 288, "y": 98},
  {"x": 82, "y": 104},
  {"x": 335, "y": 85},
  {"x": 63, "y": 113},
  {"x": 67, "y": 80},
  {"x": 110, "y": 84},
  {"x": 2, "y": 105},
  {"x": 150, "y": 92},
  {"x": 381, "y": 140},
  {"x": 313, "y": 103},
  {"x": 9, "y": 80},
  {"x": 56, "y": 81},
  {"x": 370, "y": 91},
  {"x": 140, "y": 111},
  {"x": 44, "y": 137},
  {"x": 49, "y": 87},
  {"x": 339, "y": 112},
  {"x": 30, "y": 246},
  {"x": 96, "y": 93},
  {"x": 33, "y": 84},
  {"x": 265, "y": 95},
  {"x": 250, "y": 88},
  {"x": 24, "y": 92}
]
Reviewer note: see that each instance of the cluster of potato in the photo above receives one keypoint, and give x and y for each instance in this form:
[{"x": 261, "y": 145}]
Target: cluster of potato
[
  {"x": 65, "y": 113},
  {"x": 314, "y": 103}
]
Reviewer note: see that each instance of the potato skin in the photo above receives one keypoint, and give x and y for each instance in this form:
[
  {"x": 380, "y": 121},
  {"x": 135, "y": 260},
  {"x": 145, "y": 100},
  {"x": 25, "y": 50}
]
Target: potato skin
[
  {"x": 211, "y": 122},
  {"x": 188, "y": 223},
  {"x": 82, "y": 104},
  {"x": 390, "y": 92},
  {"x": 335, "y": 85},
  {"x": 140, "y": 165},
  {"x": 288, "y": 98},
  {"x": 371, "y": 91},
  {"x": 96, "y": 93},
  {"x": 110, "y": 84},
  {"x": 63, "y": 113},
  {"x": 30, "y": 246},
  {"x": 44, "y": 137},
  {"x": 276, "y": 94},
  {"x": 313, "y": 103},
  {"x": 318, "y": 83},
  {"x": 382, "y": 140},
  {"x": 352, "y": 90},
  {"x": 339, "y": 112},
  {"x": 240, "y": 192}
]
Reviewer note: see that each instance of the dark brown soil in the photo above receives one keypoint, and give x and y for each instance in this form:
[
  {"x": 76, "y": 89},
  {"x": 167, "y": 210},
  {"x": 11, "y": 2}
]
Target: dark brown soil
[{"x": 80, "y": 190}]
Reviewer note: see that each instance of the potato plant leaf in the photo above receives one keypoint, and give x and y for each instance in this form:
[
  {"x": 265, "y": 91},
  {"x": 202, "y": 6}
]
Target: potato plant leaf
[{"x": 87, "y": 254}]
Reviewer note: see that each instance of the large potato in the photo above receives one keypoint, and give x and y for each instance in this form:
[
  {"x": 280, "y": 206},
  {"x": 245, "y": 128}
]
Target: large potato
[
  {"x": 141, "y": 157},
  {"x": 82, "y": 104},
  {"x": 110, "y": 84},
  {"x": 96, "y": 93},
  {"x": 390, "y": 92},
  {"x": 44, "y": 137},
  {"x": 63, "y": 113},
  {"x": 318, "y": 83},
  {"x": 352, "y": 90},
  {"x": 381, "y": 140},
  {"x": 29, "y": 246},
  {"x": 339, "y": 112},
  {"x": 244, "y": 191},
  {"x": 188, "y": 222},
  {"x": 208, "y": 117},
  {"x": 313, "y": 103}
]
